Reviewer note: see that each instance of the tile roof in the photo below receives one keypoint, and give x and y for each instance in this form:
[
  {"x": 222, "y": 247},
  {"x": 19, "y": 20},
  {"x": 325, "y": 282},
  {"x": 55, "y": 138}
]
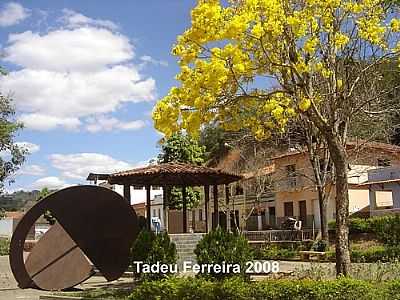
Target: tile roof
[{"x": 173, "y": 174}]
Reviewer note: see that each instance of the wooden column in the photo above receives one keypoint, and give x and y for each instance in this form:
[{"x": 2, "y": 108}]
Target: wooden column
[
  {"x": 148, "y": 208},
  {"x": 228, "y": 211},
  {"x": 216, "y": 209},
  {"x": 165, "y": 207},
  {"x": 127, "y": 193},
  {"x": 184, "y": 210},
  {"x": 206, "y": 200}
]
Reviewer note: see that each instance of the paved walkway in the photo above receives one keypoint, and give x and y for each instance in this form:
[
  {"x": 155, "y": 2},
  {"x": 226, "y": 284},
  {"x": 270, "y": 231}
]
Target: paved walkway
[{"x": 10, "y": 291}]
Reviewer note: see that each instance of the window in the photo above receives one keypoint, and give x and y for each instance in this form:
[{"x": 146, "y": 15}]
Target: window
[
  {"x": 154, "y": 213},
  {"x": 288, "y": 209},
  {"x": 239, "y": 190},
  {"x": 384, "y": 198},
  {"x": 384, "y": 162},
  {"x": 159, "y": 213},
  {"x": 200, "y": 215},
  {"x": 291, "y": 173},
  {"x": 137, "y": 187}
]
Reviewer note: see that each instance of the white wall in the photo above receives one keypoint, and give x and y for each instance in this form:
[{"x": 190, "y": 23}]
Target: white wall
[{"x": 6, "y": 227}]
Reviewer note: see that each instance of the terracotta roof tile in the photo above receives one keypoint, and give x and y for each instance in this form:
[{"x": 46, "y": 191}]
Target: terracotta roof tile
[{"x": 173, "y": 174}]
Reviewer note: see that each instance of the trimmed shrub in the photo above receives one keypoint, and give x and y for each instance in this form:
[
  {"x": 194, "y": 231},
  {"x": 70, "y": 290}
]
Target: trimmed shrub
[
  {"x": 151, "y": 248},
  {"x": 387, "y": 229},
  {"x": 220, "y": 246},
  {"x": 271, "y": 251},
  {"x": 4, "y": 246},
  {"x": 236, "y": 288}
]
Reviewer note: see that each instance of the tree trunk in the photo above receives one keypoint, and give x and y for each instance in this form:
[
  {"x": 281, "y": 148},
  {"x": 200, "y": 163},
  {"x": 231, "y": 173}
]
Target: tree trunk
[
  {"x": 323, "y": 209},
  {"x": 339, "y": 158}
]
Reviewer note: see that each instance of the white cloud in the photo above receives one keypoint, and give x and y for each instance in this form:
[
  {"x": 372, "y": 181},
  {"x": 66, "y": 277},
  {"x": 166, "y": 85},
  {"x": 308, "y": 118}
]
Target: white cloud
[
  {"x": 29, "y": 147},
  {"x": 47, "y": 122},
  {"x": 79, "y": 165},
  {"x": 146, "y": 59},
  {"x": 68, "y": 74},
  {"x": 12, "y": 13},
  {"x": 50, "y": 182},
  {"x": 64, "y": 50},
  {"x": 103, "y": 123},
  {"x": 32, "y": 170},
  {"x": 74, "y": 19}
]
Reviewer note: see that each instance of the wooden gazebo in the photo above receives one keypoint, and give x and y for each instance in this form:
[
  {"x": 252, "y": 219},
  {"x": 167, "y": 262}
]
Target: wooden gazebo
[{"x": 170, "y": 175}]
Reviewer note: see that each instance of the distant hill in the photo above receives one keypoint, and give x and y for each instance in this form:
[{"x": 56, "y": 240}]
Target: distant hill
[{"x": 20, "y": 200}]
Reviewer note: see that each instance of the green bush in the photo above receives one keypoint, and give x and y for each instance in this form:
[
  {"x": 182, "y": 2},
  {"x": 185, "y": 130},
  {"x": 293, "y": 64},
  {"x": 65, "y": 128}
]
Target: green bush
[
  {"x": 271, "y": 251},
  {"x": 236, "y": 288},
  {"x": 387, "y": 228},
  {"x": 372, "y": 254},
  {"x": 320, "y": 246},
  {"x": 356, "y": 225},
  {"x": 4, "y": 246},
  {"x": 220, "y": 246},
  {"x": 151, "y": 248}
]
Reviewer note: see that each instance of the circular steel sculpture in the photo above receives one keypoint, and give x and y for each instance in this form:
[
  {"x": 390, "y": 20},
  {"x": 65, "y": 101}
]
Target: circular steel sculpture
[{"x": 94, "y": 225}]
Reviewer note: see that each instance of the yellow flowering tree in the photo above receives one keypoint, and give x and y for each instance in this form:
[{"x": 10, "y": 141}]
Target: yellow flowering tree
[{"x": 256, "y": 64}]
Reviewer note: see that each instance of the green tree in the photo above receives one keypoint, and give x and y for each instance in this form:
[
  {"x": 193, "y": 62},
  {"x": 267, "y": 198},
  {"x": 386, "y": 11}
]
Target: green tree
[
  {"x": 13, "y": 156},
  {"x": 184, "y": 149}
]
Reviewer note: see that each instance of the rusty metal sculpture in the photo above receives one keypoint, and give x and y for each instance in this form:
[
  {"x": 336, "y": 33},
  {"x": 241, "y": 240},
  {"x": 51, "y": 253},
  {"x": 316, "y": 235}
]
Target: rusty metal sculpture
[{"x": 95, "y": 228}]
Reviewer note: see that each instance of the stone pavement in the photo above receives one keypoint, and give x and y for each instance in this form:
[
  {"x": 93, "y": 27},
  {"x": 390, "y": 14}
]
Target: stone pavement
[{"x": 10, "y": 291}]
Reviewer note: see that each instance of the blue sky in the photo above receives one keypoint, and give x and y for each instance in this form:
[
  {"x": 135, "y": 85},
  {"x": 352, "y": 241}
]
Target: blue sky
[{"x": 84, "y": 76}]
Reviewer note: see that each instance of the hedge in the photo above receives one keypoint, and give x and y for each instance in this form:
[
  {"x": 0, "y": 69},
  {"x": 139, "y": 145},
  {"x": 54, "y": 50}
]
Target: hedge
[
  {"x": 370, "y": 255},
  {"x": 238, "y": 289},
  {"x": 386, "y": 228}
]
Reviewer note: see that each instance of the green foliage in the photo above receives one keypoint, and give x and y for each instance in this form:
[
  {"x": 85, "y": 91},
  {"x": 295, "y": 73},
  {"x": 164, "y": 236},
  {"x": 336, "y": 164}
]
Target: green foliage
[
  {"x": 2, "y": 213},
  {"x": 151, "y": 248},
  {"x": 4, "y": 246},
  {"x": 8, "y": 129},
  {"x": 236, "y": 288},
  {"x": 220, "y": 246},
  {"x": 175, "y": 198},
  {"x": 372, "y": 254},
  {"x": 182, "y": 148},
  {"x": 214, "y": 139},
  {"x": 386, "y": 228},
  {"x": 273, "y": 252},
  {"x": 319, "y": 246}
]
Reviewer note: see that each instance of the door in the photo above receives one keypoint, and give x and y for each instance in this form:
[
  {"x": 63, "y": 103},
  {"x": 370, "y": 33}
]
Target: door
[
  {"x": 303, "y": 212},
  {"x": 288, "y": 209},
  {"x": 272, "y": 216}
]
